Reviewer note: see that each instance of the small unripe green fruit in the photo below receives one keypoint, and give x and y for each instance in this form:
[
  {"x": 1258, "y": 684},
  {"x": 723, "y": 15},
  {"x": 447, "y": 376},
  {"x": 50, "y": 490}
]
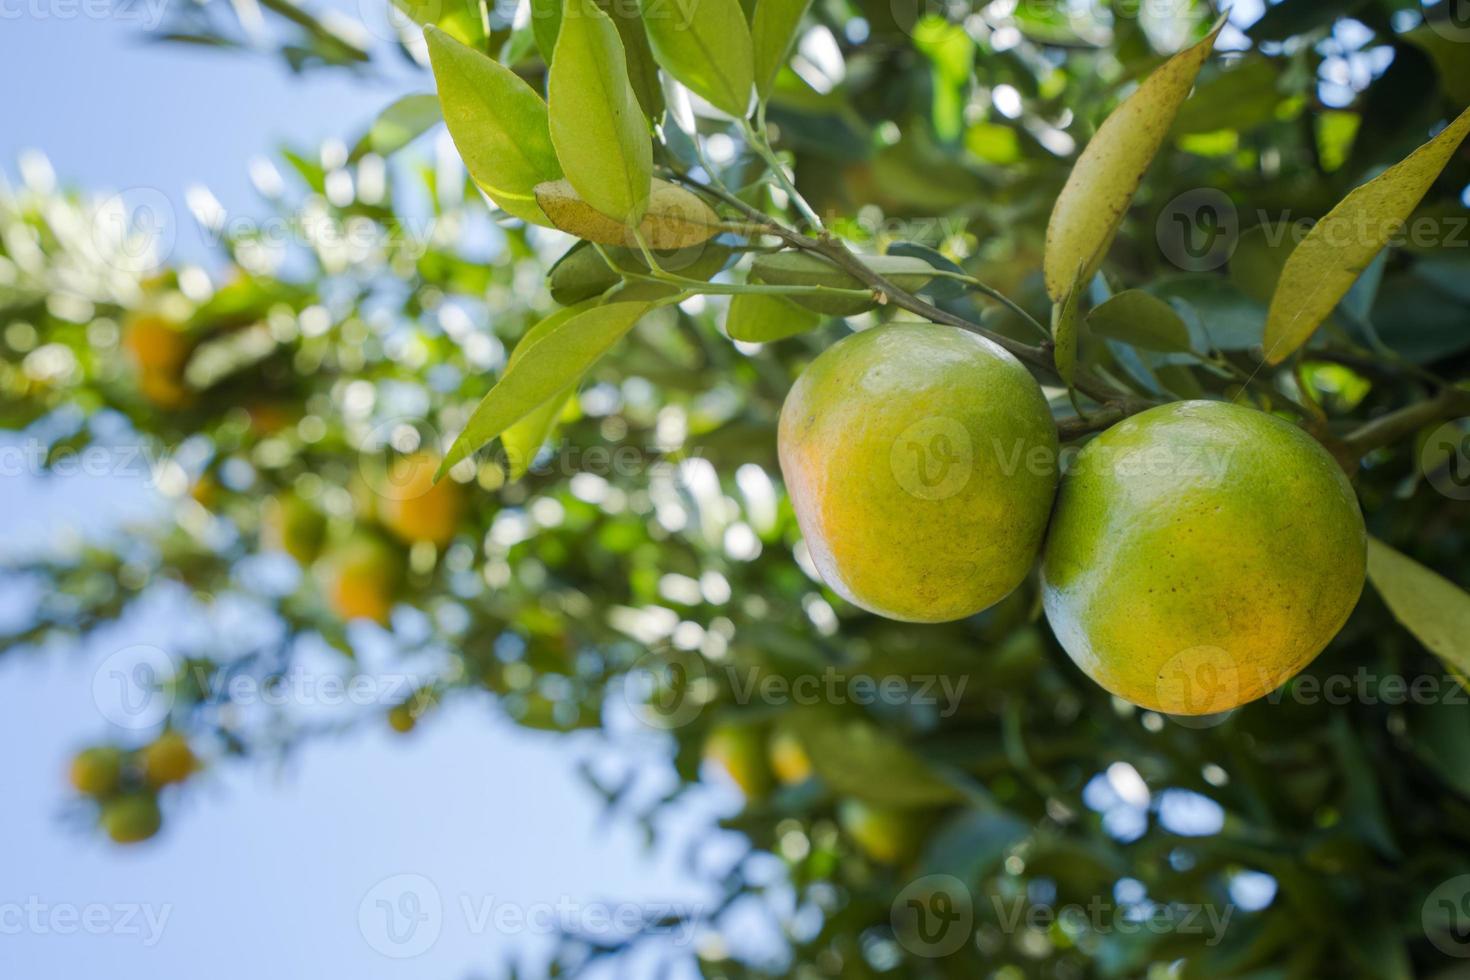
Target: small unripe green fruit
[
  {"x": 97, "y": 771},
  {"x": 921, "y": 461},
  {"x": 1201, "y": 554},
  {"x": 131, "y": 818},
  {"x": 887, "y": 835}
]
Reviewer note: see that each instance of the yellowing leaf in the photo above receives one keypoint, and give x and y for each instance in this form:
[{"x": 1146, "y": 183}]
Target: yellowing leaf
[
  {"x": 498, "y": 122},
  {"x": 760, "y": 318},
  {"x": 772, "y": 31},
  {"x": 1102, "y": 183},
  {"x": 1339, "y": 247},
  {"x": 674, "y": 217},
  {"x": 558, "y": 358},
  {"x": 1428, "y": 605},
  {"x": 706, "y": 45},
  {"x": 597, "y": 127}
]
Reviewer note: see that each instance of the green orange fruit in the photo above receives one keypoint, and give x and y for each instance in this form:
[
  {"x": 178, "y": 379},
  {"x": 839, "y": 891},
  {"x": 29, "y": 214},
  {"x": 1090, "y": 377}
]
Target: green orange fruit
[
  {"x": 97, "y": 771},
  {"x": 294, "y": 526},
  {"x": 921, "y": 461},
  {"x": 1201, "y": 554},
  {"x": 131, "y": 818}
]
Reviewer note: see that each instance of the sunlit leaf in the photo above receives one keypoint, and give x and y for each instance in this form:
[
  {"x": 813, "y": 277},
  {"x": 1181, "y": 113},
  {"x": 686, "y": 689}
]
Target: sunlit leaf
[
  {"x": 1095, "y": 198},
  {"x": 498, "y": 122},
  {"x": 525, "y": 438},
  {"x": 1339, "y": 247},
  {"x": 706, "y": 45},
  {"x": 773, "y": 31},
  {"x": 557, "y": 359},
  {"x": 759, "y": 318},
  {"x": 598, "y": 129}
]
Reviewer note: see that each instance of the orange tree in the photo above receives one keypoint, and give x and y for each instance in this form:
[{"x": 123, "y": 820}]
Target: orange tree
[{"x": 1226, "y": 265}]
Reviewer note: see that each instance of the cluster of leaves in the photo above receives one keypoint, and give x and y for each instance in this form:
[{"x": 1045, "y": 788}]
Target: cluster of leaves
[{"x": 568, "y": 573}]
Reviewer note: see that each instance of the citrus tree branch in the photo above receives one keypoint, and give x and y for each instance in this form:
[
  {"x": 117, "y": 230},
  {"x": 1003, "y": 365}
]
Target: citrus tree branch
[{"x": 1389, "y": 429}]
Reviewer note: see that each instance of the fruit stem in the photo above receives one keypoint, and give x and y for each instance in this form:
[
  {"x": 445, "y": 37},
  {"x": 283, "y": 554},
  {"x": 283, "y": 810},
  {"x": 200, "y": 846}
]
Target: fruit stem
[{"x": 833, "y": 250}]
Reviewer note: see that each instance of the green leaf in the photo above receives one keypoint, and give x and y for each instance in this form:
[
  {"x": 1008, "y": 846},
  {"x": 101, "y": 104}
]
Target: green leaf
[
  {"x": 1238, "y": 98},
  {"x": 706, "y": 45},
  {"x": 1064, "y": 320},
  {"x": 772, "y": 33},
  {"x": 803, "y": 269},
  {"x": 1428, "y": 605},
  {"x": 760, "y": 318},
  {"x": 583, "y": 273},
  {"x": 460, "y": 20},
  {"x": 1137, "y": 318},
  {"x": 1260, "y": 255},
  {"x": 498, "y": 122},
  {"x": 526, "y": 437},
  {"x": 860, "y": 759},
  {"x": 673, "y": 218},
  {"x": 402, "y": 122},
  {"x": 642, "y": 70},
  {"x": 546, "y": 24},
  {"x": 597, "y": 127},
  {"x": 1338, "y": 248},
  {"x": 558, "y": 358},
  {"x": 1095, "y": 198}
]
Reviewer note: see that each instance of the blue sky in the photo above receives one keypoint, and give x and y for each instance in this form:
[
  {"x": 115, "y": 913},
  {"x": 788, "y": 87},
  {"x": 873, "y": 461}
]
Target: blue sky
[{"x": 264, "y": 872}]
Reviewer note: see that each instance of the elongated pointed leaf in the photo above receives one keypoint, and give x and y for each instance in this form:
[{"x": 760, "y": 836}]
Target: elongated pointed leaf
[
  {"x": 1102, "y": 183},
  {"x": 597, "y": 126},
  {"x": 498, "y": 122},
  {"x": 773, "y": 29},
  {"x": 1340, "y": 246},
  {"x": 642, "y": 69},
  {"x": 1428, "y": 605},
  {"x": 561, "y": 355},
  {"x": 525, "y": 438},
  {"x": 398, "y": 125},
  {"x": 1137, "y": 318},
  {"x": 706, "y": 45},
  {"x": 1065, "y": 317},
  {"x": 759, "y": 319}
]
